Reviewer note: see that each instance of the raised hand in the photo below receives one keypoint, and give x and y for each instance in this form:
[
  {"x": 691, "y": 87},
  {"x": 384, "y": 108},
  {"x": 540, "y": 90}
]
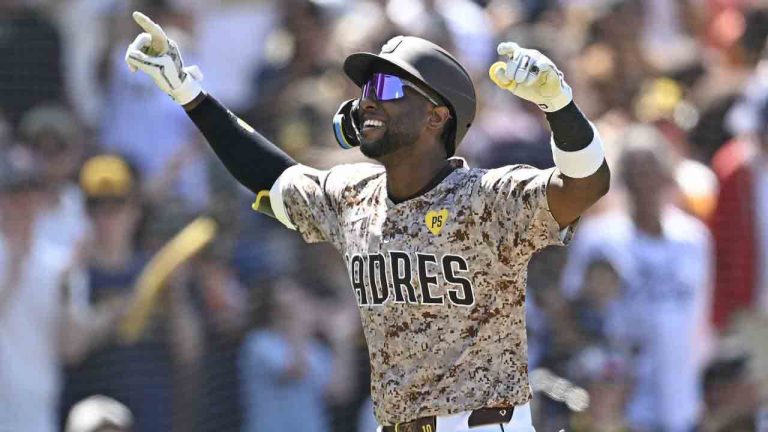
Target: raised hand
[
  {"x": 158, "y": 44},
  {"x": 530, "y": 75},
  {"x": 159, "y": 57}
]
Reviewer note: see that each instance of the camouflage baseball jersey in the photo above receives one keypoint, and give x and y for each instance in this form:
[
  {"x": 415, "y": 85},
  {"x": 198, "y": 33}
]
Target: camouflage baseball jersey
[{"x": 440, "y": 278}]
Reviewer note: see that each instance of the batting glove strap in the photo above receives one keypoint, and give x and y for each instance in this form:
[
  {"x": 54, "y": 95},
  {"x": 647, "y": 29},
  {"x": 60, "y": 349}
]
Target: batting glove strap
[
  {"x": 189, "y": 88},
  {"x": 532, "y": 76},
  {"x": 581, "y": 163}
]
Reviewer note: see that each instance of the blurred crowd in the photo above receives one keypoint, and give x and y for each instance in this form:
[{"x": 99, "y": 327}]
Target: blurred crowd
[{"x": 657, "y": 309}]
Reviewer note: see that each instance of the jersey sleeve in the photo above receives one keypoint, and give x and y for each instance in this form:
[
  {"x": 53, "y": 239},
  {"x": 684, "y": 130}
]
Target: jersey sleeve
[
  {"x": 517, "y": 198},
  {"x": 304, "y": 200}
]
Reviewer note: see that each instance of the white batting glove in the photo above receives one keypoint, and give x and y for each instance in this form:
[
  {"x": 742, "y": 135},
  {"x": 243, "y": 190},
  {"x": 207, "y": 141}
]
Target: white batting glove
[
  {"x": 157, "y": 56},
  {"x": 532, "y": 76}
]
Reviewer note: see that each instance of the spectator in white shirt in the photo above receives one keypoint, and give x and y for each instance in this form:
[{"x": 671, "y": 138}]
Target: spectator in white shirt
[
  {"x": 43, "y": 316},
  {"x": 663, "y": 257}
]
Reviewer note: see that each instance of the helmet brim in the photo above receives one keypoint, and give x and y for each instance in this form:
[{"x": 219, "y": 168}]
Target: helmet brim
[{"x": 359, "y": 67}]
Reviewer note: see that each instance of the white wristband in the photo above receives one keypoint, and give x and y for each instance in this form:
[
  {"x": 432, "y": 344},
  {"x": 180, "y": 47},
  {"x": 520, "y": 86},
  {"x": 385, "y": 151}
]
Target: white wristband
[
  {"x": 581, "y": 163},
  {"x": 187, "y": 91}
]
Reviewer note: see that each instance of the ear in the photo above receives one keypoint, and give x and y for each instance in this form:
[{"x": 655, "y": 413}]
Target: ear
[{"x": 438, "y": 117}]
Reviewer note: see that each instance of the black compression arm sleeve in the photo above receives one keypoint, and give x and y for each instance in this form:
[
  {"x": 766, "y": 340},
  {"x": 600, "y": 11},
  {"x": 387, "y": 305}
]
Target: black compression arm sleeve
[
  {"x": 570, "y": 129},
  {"x": 252, "y": 159}
]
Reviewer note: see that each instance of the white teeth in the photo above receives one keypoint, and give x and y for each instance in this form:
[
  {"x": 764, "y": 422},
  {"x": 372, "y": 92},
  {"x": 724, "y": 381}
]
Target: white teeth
[{"x": 373, "y": 123}]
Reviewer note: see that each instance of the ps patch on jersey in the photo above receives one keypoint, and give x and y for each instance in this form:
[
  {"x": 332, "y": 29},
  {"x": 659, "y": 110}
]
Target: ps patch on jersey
[
  {"x": 439, "y": 279},
  {"x": 435, "y": 220}
]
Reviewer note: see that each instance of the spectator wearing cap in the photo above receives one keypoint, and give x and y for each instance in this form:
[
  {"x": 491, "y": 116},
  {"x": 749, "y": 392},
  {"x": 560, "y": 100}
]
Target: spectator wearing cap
[
  {"x": 140, "y": 374},
  {"x": 52, "y": 135},
  {"x": 44, "y": 320}
]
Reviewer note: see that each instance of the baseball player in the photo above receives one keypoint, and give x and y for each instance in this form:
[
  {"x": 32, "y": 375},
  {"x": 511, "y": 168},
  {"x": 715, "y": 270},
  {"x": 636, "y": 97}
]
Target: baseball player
[{"x": 436, "y": 251}]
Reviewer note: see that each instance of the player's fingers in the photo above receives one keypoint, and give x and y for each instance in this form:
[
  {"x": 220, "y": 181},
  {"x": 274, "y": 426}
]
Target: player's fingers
[
  {"x": 148, "y": 25},
  {"x": 508, "y": 49},
  {"x": 541, "y": 71},
  {"x": 534, "y": 71},
  {"x": 141, "y": 42},
  {"x": 518, "y": 68},
  {"x": 159, "y": 40},
  {"x": 498, "y": 76},
  {"x": 522, "y": 69},
  {"x": 541, "y": 67},
  {"x": 133, "y": 64},
  {"x": 137, "y": 59},
  {"x": 510, "y": 69}
]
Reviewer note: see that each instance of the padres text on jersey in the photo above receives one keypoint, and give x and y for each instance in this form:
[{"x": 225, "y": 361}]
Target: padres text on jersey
[{"x": 440, "y": 278}]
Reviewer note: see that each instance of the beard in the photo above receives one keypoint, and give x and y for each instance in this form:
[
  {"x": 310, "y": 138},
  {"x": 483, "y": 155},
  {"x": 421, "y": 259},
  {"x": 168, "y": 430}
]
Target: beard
[
  {"x": 394, "y": 138},
  {"x": 378, "y": 147}
]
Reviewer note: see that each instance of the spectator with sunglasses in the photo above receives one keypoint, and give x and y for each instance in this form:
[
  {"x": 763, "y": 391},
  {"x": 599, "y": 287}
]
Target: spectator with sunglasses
[{"x": 436, "y": 251}]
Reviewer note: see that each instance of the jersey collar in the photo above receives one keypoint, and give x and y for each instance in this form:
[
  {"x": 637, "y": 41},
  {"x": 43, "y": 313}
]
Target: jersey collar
[{"x": 458, "y": 163}]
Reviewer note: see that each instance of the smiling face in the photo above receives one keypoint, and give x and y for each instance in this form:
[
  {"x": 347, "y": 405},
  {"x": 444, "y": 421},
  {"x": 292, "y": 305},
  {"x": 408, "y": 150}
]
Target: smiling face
[
  {"x": 388, "y": 126},
  {"x": 398, "y": 117}
]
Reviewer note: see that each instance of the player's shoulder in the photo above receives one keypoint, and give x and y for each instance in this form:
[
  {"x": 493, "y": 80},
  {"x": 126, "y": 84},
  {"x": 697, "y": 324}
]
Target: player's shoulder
[
  {"x": 356, "y": 171},
  {"x": 353, "y": 180},
  {"x": 354, "y": 174}
]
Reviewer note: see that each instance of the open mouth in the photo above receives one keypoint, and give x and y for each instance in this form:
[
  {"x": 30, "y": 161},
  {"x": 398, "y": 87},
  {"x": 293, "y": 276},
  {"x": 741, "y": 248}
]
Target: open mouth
[{"x": 373, "y": 124}]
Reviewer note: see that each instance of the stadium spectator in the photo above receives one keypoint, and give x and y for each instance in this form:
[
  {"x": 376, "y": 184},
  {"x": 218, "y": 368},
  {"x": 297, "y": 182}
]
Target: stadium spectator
[
  {"x": 30, "y": 43},
  {"x": 662, "y": 256},
  {"x": 44, "y": 318},
  {"x": 676, "y": 66},
  {"x": 731, "y": 396},
  {"x": 285, "y": 369},
  {"x": 605, "y": 375},
  {"x": 139, "y": 374},
  {"x": 739, "y": 224},
  {"x": 53, "y": 136}
]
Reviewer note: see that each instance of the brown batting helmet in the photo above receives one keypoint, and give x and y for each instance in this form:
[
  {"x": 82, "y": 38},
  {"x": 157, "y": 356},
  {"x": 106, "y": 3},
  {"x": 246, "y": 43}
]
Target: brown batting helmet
[{"x": 425, "y": 63}]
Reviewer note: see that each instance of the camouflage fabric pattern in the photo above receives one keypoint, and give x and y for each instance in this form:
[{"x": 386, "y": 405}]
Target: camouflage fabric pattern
[{"x": 440, "y": 279}]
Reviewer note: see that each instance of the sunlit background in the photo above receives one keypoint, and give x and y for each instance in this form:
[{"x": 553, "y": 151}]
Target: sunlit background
[{"x": 656, "y": 310}]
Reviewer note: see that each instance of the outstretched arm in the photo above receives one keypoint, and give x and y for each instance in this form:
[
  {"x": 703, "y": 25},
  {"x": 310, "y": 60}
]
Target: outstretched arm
[
  {"x": 581, "y": 175},
  {"x": 252, "y": 159}
]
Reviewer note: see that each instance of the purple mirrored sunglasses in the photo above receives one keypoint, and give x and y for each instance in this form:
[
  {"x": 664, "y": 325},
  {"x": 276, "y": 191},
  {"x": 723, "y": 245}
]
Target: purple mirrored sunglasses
[{"x": 389, "y": 87}]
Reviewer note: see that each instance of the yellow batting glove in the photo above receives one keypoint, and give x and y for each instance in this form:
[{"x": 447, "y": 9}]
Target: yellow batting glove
[{"x": 530, "y": 75}]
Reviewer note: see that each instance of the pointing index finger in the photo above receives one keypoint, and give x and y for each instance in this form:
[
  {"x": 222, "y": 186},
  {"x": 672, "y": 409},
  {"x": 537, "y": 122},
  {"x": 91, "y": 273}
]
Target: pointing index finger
[{"x": 159, "y": 44}]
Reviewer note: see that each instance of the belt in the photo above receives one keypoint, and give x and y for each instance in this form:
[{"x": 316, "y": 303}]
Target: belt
[{"x": 478, "y": 417}]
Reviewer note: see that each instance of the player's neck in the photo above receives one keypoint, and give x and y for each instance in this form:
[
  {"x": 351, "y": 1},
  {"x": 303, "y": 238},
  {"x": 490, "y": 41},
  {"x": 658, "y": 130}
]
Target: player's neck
[{"x": 413, "y": 176}]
